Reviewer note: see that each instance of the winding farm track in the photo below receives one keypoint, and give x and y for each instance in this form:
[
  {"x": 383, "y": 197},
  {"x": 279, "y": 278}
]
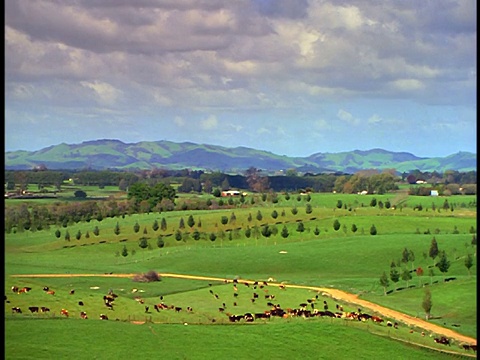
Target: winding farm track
[{"x": 333, "y": 293}]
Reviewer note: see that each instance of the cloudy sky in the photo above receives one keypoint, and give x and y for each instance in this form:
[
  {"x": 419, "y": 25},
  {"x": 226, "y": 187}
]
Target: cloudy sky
[{"x": 294, "y": 77}]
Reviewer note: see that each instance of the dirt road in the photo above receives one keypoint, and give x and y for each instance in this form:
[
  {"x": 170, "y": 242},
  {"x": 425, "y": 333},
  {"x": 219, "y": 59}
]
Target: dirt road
[{"x": 333, "y": 293}]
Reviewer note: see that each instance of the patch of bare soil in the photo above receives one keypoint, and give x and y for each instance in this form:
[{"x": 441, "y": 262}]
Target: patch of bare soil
[{"x": 335, "y": 294}]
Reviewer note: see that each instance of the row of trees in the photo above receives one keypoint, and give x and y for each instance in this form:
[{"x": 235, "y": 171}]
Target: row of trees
[{"x": 408, "y": 256}]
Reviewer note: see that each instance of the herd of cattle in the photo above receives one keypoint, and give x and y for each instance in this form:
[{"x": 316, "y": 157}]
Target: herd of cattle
[{"x": 307, "y": 309}]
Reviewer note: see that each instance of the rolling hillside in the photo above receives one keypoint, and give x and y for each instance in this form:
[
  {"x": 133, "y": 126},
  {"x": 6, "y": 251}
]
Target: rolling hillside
[{"x": 114, "y": 154}]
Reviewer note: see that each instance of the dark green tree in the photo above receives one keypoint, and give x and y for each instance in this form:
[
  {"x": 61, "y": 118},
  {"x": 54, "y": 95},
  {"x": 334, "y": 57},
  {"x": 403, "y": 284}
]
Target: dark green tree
[
  {"x": 212, "y": 236},
  {"x": 163, "y": 224},
  {"x": 316, "y": 231},
  {"x": 58, "y": 234},
  {"x": 96, "y": 231},
  {"x": 80, "y": 194},
  {"x": 259, "y": 216},
  {"x": 394, "y": 275},
  {"x": 284, "y": 232},
  {"x": 339, "y": 204},
  {"x": 87, "y": 235},
  {"x": 116, "y": 230},
  {"x": 266, "y": 231},
  {"x": 124, "y": 251},
  {"x": 443, "y": 264},
  {"x": 406, "y": 275},
  {"x": 373, "y": 230},
  {"x": 67, "y": 236},
  {"x": 468, "y": 262},
  {"x": 160, "y": 242},
  {"x": 78, "y": 236},
  {"x": 224, "y": 220},
  {"x": 336, "y": 225},
  {"x": 181, "y": 224},
  {"x": 248, "y": 232},
  {"x": 354, "y": 228},
  {"x": 196, "y": 235},
  {"x": 155, "y": 225},
  {"x": 427, "y": 303},
  {"x": 143, "y": 242},
  {"x": 178, "y": 235},
  {"x": 190, "y": 221},
  {"x": 136, "y": 227},
  {"x": 384, "y": 282},
  {"x": 249, "y": 218},
  {"x": 300, "y": 227},
  {"x": 433, "y": 252},
  {"x": 287, "y": 196},
  {"x": 373, "y": 202},
  {"x": 308, "y": 208},
  {"x": 294, "y": 210},
  {"x": 274, "y": 214}
]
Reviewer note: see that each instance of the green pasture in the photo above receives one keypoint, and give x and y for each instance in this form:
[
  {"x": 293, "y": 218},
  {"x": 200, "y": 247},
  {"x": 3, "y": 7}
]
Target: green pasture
[{"x": 341, "y": 259}]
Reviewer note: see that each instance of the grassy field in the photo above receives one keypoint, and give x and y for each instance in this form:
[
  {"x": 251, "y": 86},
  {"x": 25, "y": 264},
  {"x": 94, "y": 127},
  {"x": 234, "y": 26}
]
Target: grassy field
[{"x": 341, "y": 259}]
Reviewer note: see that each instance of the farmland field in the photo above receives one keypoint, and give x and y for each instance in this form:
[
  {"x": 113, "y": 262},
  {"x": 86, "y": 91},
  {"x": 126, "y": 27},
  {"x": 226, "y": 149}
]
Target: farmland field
[{"x": 314, "y": 254}]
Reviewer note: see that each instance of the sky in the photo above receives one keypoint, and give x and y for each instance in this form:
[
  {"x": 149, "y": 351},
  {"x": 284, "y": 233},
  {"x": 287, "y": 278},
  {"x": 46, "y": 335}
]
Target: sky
[{"x": 292, "y": 77}]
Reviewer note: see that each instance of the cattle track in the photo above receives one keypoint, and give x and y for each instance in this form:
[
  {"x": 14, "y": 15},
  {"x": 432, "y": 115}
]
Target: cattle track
[{"x": 333, "y": 293}]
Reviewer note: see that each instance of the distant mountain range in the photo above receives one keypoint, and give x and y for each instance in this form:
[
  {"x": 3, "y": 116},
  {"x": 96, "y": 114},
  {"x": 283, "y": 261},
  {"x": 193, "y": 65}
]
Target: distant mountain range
[{"x": 114, "y": 154}]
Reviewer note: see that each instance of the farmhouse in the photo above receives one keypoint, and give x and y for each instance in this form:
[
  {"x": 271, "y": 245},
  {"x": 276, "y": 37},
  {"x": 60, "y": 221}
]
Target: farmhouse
[
  {"x": 434, "y": 193},
  {"x": 231, "y": 193}
]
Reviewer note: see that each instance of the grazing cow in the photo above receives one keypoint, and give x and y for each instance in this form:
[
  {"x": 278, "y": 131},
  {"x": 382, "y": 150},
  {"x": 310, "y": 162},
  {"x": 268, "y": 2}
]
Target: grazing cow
[
  {"x": 64, "y": 312},
  {"x": 110, "y": 298},
  {"x": 146, "y": 309},
  {"x": 24, "y": 290},
  {"x": 234, "y": 318},
  {"x": 363, "y": 317},
  {"x": 264, "y": 315},
  {"x": 17, "y": 310},
  {"x": 377, "y": 319},
  {"x": 282, "y": 287},
  {"x": 189, "y": 309},
  {"x": 51, "y": 292},
  {"x": 46, "y": 288},
  {"x": 72, "y": 292},
  {"x": 109, "y": 305},
  {"x": 248, "y": 317},
  {"x": 80, "y": 303},
  {"x": 103, "y": 317},
  {"x": 442, "y": 340},
  {"x": 83, "y": 315},
  {"x": 33, "y": 309},
  {"x": 15, "y": 289},
  {"x": 395, "y": 325},
  {"x": 255, "y": 295},
  {"x": 235, "y": 294},
  {"x": 178, "y": 309},
  {"x": 389, "y": 324},
  {"x": 44, "y": 309},
  {"x": 474, "y": 348}
]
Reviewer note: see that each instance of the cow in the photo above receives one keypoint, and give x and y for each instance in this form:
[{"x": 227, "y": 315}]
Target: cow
[
  {"x": 24, "y": 290},
  {"x": 33, "y": 309},
  {"x": 248, "y": 317},
  {"x": 64, "y": 312},
  {"x": 109, "y": 305},
  {"x": 44, "y": 309},
  {"x": 234, "y": 318},
  {"x": 442, "y": 340},
  {"x": 72, "y": 292},
  {"x": 178, "y": 309},
  {"x": 15, "y": 289},
  {"x": 83, "y": 315},
  {"x": 189, "y": 309},
  {"x": 103, "y": 317},
  {"x": 46, "y": 288},
  {"x": 17, "y": 310},
  {"x": 80, "y": 303},
  {"x": 51, "y": 292},
  {"x": 377, "y": 319},
  {"x": 147, "y": 308}
]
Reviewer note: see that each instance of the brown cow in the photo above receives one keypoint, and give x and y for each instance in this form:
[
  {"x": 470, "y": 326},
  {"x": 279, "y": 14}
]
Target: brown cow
[
  {"x": 64, "y": 312},
  {"x": 103, "y": 317},
  {"x": 51, "y": 292},
  {"x": 83, "y": 315}
]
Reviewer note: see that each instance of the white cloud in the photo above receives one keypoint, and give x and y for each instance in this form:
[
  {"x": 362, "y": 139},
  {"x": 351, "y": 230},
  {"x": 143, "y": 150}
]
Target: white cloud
[
  {"x": 178, "y": 120},
  {"x": 104, "y": 93},
  {"x": 375, "y": 119},
  {"x": 347, "y": 117},
  {"x": 209, "y": 123}
]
